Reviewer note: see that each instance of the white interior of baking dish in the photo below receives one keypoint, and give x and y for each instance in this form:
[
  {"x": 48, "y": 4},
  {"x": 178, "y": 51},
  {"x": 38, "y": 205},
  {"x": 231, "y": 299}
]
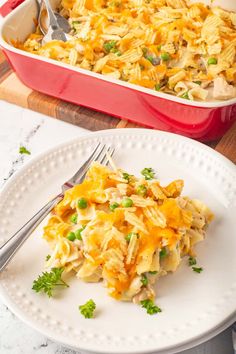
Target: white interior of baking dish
[{"x": 20, "y": 23}]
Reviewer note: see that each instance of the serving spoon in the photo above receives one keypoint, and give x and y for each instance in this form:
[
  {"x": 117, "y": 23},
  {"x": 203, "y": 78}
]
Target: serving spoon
[{"x": 52, "y": 24}]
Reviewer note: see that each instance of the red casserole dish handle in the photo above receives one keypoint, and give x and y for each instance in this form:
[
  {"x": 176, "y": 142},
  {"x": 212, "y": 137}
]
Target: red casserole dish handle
[{"x": 10, "y": 5}]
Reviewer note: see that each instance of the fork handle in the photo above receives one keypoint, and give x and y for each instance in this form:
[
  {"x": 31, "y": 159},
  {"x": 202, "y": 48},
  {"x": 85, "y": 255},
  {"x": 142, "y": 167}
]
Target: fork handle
[{"x": 9, "y": 248}]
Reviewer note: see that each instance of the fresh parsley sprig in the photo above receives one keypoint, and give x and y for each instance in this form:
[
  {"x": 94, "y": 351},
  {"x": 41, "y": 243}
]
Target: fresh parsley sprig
[
  {"x": 48, "y": 281},
  {"x": 87, "y": 310},
  {"x": 150, "y": 307}
]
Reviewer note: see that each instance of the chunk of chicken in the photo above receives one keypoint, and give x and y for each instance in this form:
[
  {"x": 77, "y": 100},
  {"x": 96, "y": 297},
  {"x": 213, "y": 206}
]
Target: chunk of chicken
[{"x": 222, "y": 90}]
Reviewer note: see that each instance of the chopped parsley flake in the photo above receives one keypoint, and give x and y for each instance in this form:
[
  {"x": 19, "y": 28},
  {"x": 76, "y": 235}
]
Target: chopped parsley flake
[
  {"x": 197, "y": 270},
  {"x": 157, "y": 87},
  {"x": 163, "y": 252},
  {"x": 144, "y": 280},
  {"x": 23, "y": 150},
  {"x": 109, "y": 46},
  {"x": 128, "y": 236},
  {"x": 148, "y": 173},
  {"x": 150, "y": 307},
  {"x": 87, "y": 310},
  {"x": 113, "y": 206},
  {"x": 192, "y": 261},
  {"x": 126, "y": 176}
]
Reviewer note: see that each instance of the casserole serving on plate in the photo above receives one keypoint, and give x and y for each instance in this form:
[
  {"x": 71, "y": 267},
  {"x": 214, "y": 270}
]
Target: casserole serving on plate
[{"x": 206, "y": 120}]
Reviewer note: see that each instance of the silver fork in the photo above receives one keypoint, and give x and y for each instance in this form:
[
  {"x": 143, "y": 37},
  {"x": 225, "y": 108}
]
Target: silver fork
[{"x": 9, "y": 248}]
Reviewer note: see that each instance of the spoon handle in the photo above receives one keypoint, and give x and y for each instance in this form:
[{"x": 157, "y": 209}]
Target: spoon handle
[{"x": 52, "y": 18}]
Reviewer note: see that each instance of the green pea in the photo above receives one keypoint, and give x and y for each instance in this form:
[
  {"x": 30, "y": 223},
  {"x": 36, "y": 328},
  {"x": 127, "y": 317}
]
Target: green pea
[
  {"x": 127, "y": 202},
  {"x": 78, "y": 233},
  {"x": 113, "y": 206},
  {"x": 74, "y": 218},
  {"x": 71, "y": 236},
  {"x": 165, "y": 56},
  {"x": 82, "y": 203},
  {"x": 212, "y": 61},
  {"x": 141, "y": 190}
]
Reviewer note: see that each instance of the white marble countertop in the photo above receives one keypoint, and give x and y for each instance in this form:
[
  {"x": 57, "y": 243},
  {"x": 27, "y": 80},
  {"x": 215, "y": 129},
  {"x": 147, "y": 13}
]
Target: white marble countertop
[{"x": 37, "y": 132}]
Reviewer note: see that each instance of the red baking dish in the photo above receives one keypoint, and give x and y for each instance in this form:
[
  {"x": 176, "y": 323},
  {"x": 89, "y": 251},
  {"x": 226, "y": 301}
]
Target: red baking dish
[{"x": 204, "y": 121}]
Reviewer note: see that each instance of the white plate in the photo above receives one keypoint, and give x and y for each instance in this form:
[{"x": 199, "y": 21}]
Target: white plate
[{"x": 195, "y": 306}]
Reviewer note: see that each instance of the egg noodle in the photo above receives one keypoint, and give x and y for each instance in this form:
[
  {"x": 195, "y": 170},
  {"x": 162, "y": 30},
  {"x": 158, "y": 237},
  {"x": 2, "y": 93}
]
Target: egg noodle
[
  {"x": 172, "y": 46},
  {"x": 124, "y": 230}
]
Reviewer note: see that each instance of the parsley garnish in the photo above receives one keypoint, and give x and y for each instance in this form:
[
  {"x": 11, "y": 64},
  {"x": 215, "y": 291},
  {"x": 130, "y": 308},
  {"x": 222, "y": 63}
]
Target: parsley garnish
[
  {"x": 152, "y": 272},
  {"x": 23, "y": 150},
  {"x": 150, "y": 306},
  {"x": 126, "y": 176},
  {"x": 48, "y": 257},
  {"x": 148, "y": 173},
  {"x": 87, "y": 309},
  {"x": 48, "y": 281},
  {"x": 144, "y": 280},
  {"x": 113, "y": 206},
  {"x": 197, "y": 270},
  {"x": 192, "y": 261}
]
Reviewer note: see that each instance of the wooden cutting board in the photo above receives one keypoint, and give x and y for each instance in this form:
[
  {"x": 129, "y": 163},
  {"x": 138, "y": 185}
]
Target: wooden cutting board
[{"x": 14, "y": 91}]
